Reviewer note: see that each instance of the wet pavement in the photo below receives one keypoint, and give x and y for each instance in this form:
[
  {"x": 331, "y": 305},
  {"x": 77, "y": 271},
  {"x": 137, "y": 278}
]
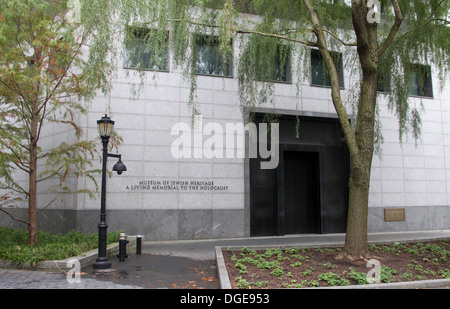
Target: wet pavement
[{"x": 159, "y": 272}]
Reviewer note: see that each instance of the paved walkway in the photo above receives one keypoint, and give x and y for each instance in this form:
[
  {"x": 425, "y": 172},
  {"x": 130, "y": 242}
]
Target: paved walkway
[
  {"x": 204, "y": 249},
  {"x": 178, "y": 264}
]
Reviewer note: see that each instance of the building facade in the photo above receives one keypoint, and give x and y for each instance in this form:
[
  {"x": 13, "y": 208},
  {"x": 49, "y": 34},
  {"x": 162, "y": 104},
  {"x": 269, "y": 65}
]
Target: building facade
[{"x": 201, "y": 181}]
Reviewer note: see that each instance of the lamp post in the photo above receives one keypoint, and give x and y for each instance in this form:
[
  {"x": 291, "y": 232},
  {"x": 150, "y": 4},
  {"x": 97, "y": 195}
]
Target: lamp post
[{"x": 105, "y": 128}]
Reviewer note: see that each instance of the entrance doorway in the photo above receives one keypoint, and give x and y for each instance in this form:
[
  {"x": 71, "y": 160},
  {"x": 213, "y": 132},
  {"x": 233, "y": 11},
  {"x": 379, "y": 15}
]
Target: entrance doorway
[
  {"x": 308, "y": 191},
  {"x": 301, "y": 192}
]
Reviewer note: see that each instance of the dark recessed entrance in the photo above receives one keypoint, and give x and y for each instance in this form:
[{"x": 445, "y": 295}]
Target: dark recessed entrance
[
  {"x": 301, "y": 192},
  {"x": 308, "y": 191}
]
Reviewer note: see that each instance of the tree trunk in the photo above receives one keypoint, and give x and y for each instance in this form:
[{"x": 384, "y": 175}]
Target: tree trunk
[
  {"x": 32, "y": 198},
  {"x": 356, "y": 245},
  {"x": 356, "y": 235},
  {"x": 32, "y": 182}
]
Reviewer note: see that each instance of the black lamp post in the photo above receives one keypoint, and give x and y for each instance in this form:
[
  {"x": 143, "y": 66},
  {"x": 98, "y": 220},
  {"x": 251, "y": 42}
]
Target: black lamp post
[{"x": 105, "y": 128}]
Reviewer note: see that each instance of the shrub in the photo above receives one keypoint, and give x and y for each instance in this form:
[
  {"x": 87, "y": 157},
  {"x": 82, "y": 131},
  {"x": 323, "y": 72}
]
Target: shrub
[{"x": 14, "y": 245}]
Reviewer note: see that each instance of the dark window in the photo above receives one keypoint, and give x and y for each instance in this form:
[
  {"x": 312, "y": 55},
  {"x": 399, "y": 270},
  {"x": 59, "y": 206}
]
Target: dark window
[
  {"x": 275, "y": 66},
  {"x": 210, "y": 61},
  {"x": 383, "y": 83},
  {"x": 420, "y": 83},
  {"x": 146, "y": 49},
  {"x": 319, "y": 72}
]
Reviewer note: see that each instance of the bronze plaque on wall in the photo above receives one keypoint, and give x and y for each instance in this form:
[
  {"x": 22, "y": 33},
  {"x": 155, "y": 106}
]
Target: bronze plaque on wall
[{"x": 394, "y": 214}]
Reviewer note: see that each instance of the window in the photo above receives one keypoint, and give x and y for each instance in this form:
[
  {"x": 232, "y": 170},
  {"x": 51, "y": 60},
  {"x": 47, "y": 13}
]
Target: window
[
  {"x": 420, "y": 83},
  {"x": 319, "y": 72},
  {"x": 146, "y": 49},
  {"x": 276, "y": 66},
  {"x": 210, "y": 61},
  {"x": 383, "y": 83}
]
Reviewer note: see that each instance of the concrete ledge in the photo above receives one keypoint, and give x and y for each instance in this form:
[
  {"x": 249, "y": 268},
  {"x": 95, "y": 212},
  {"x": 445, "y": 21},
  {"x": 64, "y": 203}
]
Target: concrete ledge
[
  {"x": 225, "y": 282},
  {"x": 222, "y": 270},
  {"x": 65, "y": 265},
  {"x": 422, "y": 284}
]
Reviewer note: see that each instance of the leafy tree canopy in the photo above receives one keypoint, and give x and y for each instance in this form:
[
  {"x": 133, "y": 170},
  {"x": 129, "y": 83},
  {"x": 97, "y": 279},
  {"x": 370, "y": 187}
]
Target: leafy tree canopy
[{"x": 423, "y": 38}]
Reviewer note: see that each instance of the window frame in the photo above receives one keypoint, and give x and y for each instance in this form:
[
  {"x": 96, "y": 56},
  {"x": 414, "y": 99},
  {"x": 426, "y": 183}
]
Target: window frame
[
  {"x": 426, "y": 89},
  {"x": 212, "y": 42},
  {"x": 383, "y": 84},
  {"x": 133, "y": 64},
  {"x": 287, "y": 67},
  {"x": 340, "y": 67}
]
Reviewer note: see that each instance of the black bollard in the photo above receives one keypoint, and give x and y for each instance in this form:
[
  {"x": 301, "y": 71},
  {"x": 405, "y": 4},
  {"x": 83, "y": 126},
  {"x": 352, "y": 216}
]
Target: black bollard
[
  {"x": 138, "y": 244},
  {"x": 122, "y": 247}
]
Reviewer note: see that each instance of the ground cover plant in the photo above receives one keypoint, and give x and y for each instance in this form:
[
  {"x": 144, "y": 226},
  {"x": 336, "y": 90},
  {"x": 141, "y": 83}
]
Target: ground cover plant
[
  {"x": 318, "y": 267},
  {"x": 14, "y": 245}
]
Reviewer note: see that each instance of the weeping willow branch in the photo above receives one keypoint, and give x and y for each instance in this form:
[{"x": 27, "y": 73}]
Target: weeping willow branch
[
  {"x": 236, "y": 30},
  {"x": 277, "y": 36},
  {"x": 339, "y": 39}
]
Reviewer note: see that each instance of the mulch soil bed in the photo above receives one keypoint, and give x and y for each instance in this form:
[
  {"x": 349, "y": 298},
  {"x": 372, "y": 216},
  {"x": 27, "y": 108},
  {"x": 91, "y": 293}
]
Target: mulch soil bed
[{"x": 318, "y": 267}]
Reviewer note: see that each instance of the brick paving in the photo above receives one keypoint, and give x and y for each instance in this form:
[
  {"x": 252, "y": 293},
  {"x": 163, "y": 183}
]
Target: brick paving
[{"x": 23, "y": 279}]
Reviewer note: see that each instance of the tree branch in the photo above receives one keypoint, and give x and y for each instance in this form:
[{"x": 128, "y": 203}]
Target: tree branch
[
  {"x": 241, "y": 31},
  {"x": 359, "y": 23},
  {"x": 277, "y": 36},
  {"x": 394, "y": 29},
  {"x": 335, "y": 87},
  {"x": 339, "y": 39},
  {"x": 48, "y": 205},
  {"x": 14, "y": 218},
  {"x": 445, "y": 22}
]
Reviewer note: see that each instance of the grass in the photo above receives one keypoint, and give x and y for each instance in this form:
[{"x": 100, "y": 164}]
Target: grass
[{"x": 14, "y": 247}]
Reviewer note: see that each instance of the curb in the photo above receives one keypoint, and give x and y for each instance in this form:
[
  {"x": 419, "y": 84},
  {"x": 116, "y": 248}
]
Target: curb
[
  {"x": 423, "y": 284},
  {"x": 222, "y": 272},
  {"x": 225, "y": 283},
  {"x": 67, "y": 264}
]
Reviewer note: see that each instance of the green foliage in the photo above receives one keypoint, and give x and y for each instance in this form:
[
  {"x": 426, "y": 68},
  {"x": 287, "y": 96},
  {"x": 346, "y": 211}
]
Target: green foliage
[
  {"x": 297, "y": 264},
  {"x": 241, "y": 267},
  {"x": 406, "y": 276},
  {"x": 14, "y": 247},
  {"x": 359, "y": 277},
  {"x": 308, "y": 272},
  {"x": 45, "y": 85},
  {"x": 444, "y": 273},
  {"x": 424, "y": 38},
  {"x": 277, "y": 272},
  {"x": 333, "y": 279},
  {"x": 244, "y": 284},
  {"x": 387, "y": 273}
]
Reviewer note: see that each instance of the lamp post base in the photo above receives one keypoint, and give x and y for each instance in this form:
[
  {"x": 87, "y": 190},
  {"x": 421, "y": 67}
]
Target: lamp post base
[{"x": 102, "y": 264}]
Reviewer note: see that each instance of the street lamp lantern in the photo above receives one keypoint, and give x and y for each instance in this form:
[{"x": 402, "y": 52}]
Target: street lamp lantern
[{"x": 105, "y": 128}]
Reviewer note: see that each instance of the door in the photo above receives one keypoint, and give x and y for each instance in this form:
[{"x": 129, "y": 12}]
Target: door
[
  {"x": 308, "y": 191},
  {"x": 301, "y": 192}
]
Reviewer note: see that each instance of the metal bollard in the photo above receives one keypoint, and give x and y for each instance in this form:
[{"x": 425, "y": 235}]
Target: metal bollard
[
  {"x": 138, "y": 244},
  {"x": 122, "y": 247}
]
